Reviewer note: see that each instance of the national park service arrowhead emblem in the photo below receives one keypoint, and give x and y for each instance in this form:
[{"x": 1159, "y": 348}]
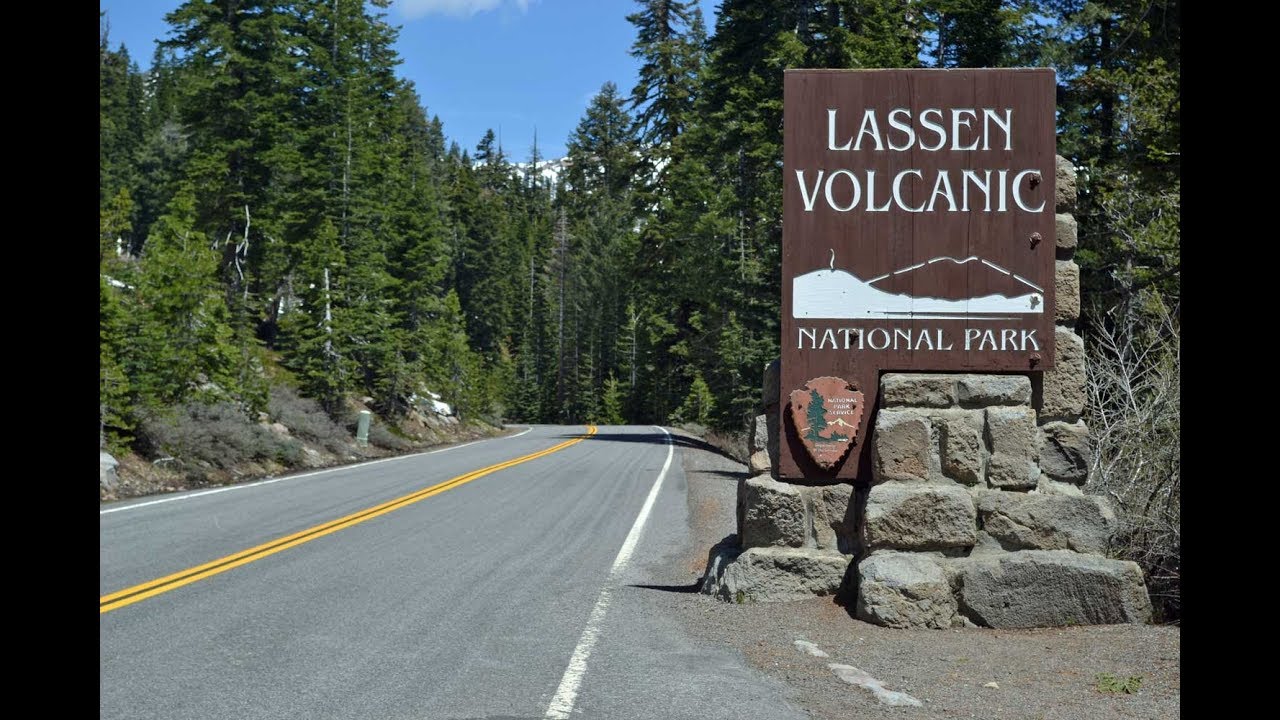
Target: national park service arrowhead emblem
[{"x": 827, "y": 414}]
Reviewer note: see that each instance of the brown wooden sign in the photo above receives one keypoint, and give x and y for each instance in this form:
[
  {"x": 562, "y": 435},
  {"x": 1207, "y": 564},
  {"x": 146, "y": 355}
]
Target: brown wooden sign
[{"x": 918, "y": 232}]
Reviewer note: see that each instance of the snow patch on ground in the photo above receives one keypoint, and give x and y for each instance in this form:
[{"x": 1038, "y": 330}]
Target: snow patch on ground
[
  {"x": 805, "y": 646},
  {"x": 854, "y": 676}
]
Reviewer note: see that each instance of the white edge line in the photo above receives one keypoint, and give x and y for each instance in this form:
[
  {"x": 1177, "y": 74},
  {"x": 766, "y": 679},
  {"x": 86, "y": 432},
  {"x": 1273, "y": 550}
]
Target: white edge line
[
  {"x": 990, "y": 264},
  {"x": 561, "y": 705},
  {"x": 303, "y": 475},
  {"x": 1028, "y": 282}
]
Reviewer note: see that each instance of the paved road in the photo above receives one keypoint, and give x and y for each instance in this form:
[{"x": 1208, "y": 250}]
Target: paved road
[{"x": 514, "y": 595}]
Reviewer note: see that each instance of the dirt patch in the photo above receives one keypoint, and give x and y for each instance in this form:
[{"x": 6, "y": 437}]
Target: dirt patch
[{"x": 1039, "y": 674}]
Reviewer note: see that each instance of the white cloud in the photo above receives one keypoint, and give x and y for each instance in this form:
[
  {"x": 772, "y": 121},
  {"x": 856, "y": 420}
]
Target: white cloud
[{"x": 414, "y": 9}]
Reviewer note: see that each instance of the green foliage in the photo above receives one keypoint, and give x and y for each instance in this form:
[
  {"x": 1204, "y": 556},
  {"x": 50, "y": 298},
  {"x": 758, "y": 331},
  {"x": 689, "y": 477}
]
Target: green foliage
[
  {"x": 1109, "y": 683},
  {"x": 114, "y": 392},
  {"x": 120, "y": 117},
  {"x": 1119, "y": 72},
  {"x": 454, "y": 367},
  {"x": 611, "y": 403},
  {"x": 270, "y": 185},
  {"x": 976, "y": 33},
  {"x": 697, "y": 405},
  {"x": 113, "y": 225},
  {"x": 307, "y": 334},
  {"x": 182, "y": 345},
  {"x": 669, "y": 39}
]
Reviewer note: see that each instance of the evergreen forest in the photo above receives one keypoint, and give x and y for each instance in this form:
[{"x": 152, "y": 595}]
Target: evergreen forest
[
  {"x": 271, "y": 192},
  {"x": 278, "y": 206}
]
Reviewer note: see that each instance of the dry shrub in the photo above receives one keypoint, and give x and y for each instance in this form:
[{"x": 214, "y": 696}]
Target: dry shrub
[
  {"x": 731, "y": 443},
  {"x": 307, "y": 420},
  {"x": 384, "y": 436},
  {"x": 1134, "y": 417},
  {"x": 201, "y": 438}
]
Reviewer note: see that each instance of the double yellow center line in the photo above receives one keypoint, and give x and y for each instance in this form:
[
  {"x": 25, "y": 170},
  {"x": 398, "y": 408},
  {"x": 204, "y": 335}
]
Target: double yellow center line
[{"x": 137, "y": 593}]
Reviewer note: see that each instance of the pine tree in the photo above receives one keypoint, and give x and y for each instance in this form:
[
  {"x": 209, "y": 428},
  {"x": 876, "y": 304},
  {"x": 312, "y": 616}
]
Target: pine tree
[
  {"x": 611, "y": 402},
  {"x": 1119, "y": 68},
  {"x": 603, "y": 150},
  {"x": 669, "y": 38},
  {"x": 115, "y": 394},
  {"x": 238, "y": 89},
  {"x": 418, "y": 253},
  {"x": 309, "y": 332},
  {"x": 976, "y": 33},
  {"x": 115, "y": 413},
  {"x": 599, "y": 217},
  {"x": 183, "y": 346},
  {"x": 698, "y": 404},
  {"x": 488, "y": 257},
  {"x": 120, "y": 116}
]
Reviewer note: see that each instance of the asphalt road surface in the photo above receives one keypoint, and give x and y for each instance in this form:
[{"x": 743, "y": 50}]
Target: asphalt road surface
[{"x": 384, "y": 590}]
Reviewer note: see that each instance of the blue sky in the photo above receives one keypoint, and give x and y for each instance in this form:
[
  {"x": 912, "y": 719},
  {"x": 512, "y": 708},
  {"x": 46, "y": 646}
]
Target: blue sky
[{"x": 510, "y": 65}]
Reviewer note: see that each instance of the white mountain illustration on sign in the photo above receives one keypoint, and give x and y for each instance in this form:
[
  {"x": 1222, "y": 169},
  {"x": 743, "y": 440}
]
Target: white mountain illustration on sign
[{"x": 839, "y": 294}]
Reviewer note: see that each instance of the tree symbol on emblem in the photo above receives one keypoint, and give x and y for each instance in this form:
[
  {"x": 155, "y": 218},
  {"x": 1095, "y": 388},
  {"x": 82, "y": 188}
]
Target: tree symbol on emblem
[{"x": 818, "y": 421}]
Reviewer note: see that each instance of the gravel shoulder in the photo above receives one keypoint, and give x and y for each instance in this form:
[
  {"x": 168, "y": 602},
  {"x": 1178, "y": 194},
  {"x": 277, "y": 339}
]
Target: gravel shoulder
[{"x": 1041, "y": 674}]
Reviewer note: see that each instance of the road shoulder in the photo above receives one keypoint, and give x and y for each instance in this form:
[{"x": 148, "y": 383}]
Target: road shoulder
[{"x": 1042, "y": 674}]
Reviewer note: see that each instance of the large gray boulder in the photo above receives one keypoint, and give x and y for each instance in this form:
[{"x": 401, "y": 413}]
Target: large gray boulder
[
  {"x": 773, "y": 574},
  {"x": 1051, "y": 588},
  {"x": 772, "y": 513},
  {"x": 1064, "y": 185},
  {"x": 107, "y": 479},
  {"x": 1064, "y": 451},
  {"x": 919, "y": 516},
  {"x": 758, "y": 434},
  {"x": 771, "y": 383},
  {"x": 1022, "y": 521},
  {"x": 1067, "y": 234},
  {"x": 772, "y": 448},
  {"x": 1066, "y": 292},
  {"x": 833, "y": 519},
  {"x": 1061, "y": 391},
  {"x": 1012, "y": 433},
  {"x": 905, "y": 590},
  {"x": 983, "y": 390},
  {"x": 964, "y": 452},
  {"x": 918, "y": 390},
  {"x": 902, "y": 446},
  {"x": 1049, "y": 486}
]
